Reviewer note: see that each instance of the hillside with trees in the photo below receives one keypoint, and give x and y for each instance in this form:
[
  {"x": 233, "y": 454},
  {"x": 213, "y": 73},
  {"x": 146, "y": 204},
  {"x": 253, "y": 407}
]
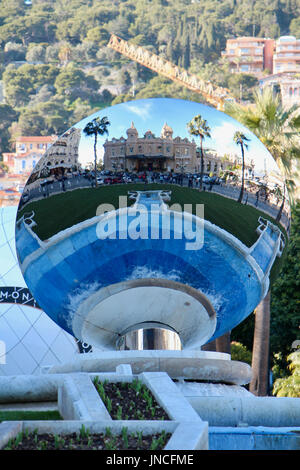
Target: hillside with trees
[{"x": 56, "y": 68}]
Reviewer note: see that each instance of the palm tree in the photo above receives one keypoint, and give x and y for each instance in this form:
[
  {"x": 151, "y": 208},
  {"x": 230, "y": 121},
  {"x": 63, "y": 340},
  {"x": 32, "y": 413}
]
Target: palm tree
[
  {"x": 94, "y": 128},
  {"x": 199, "y": 127},
  {"x": 240, "y": 139},
  {"x": 259, "y": 384},
  {"x": 278, "y": 129}
]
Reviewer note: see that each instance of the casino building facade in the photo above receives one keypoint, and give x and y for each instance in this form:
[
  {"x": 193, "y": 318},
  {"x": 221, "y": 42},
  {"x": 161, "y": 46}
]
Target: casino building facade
[{"x": 151, "y": 153}]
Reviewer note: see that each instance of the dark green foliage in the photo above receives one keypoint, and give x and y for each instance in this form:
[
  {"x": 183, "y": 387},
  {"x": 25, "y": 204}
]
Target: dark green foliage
[
  {"x": 239, "y": 352},
  {"x": 290, "y": 386},
  {"x": 285, "y": 307},
  {"x": 7, "y": 116},
  {"x": 244, "y": 332},
  {"x": 285, "y": 299}
]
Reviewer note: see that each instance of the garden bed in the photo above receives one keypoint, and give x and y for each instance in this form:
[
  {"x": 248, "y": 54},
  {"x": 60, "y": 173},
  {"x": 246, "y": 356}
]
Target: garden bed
[
  {"x": 129, "y": 401},
  {"x": 84, "y": 440}
]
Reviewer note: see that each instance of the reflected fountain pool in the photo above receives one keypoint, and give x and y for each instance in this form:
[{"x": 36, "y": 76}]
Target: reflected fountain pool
[{"x": 125, "y": 267}]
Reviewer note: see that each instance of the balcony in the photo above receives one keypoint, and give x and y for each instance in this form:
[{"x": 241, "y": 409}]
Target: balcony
[{"x": 287, "y": 57}]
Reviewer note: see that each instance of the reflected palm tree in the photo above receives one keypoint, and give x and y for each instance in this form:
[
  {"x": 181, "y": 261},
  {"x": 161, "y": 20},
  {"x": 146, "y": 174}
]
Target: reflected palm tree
[
  {"x": 94, "y": 128},
  {"x": 240, "y": 139},
  {"x": 199, "y": 127}
]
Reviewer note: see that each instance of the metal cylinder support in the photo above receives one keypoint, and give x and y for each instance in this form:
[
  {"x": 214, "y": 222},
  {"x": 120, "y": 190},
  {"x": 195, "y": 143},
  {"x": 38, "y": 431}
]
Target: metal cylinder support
[{"x": 149, "y": 336}]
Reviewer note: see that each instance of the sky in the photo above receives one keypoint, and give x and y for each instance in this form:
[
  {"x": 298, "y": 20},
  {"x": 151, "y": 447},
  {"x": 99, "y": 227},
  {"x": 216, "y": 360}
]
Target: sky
[{"x": 153, "y": 113}]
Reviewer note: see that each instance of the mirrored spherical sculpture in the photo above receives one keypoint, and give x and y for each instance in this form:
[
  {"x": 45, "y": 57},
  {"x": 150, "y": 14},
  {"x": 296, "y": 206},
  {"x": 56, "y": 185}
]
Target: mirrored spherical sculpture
[{"x": 158, "y": 215}]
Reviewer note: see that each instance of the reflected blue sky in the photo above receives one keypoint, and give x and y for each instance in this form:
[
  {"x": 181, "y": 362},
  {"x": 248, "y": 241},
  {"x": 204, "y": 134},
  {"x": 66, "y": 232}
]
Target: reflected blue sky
[{"x": 151, "y": 114}]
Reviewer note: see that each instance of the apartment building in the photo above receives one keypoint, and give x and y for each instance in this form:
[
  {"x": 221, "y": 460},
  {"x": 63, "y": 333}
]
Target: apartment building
[
  {"x": 28, "y": 151},
  {"x": 249, "y": 55},
  {"x": 287, "y": 55},
  {"x": 256, "y": 55}
]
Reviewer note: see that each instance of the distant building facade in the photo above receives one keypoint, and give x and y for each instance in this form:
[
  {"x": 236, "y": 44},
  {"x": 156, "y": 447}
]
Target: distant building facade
[
  {"x": 163, "y": 153},
  {"x": 249, "y": 55},
  {"x": 287, "y": 55},
  {"x": 256, "y": 55},
  {"x": 61, "y": 157},
  {"x": 286, "y": 84},
  {"x": 281, "y": 58},
  {"x": 28, "y": 152},
  {"x": 150, "y": 153}
]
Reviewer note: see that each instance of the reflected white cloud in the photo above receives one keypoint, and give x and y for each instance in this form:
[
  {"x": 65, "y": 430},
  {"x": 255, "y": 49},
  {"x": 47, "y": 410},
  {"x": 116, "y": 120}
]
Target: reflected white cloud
[{"x": 142, "y": 111}]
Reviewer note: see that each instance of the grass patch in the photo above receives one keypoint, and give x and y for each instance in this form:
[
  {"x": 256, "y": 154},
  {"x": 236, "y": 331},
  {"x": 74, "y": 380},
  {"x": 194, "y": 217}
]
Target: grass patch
[{"x": 20, "y": 415}]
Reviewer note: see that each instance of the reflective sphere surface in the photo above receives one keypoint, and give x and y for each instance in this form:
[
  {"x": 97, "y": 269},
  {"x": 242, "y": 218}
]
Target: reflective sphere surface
[{"x": 155, "y": 214}]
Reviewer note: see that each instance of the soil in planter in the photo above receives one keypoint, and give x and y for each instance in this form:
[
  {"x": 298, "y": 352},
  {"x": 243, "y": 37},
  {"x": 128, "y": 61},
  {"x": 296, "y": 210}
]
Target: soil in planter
[
  {"x": 84, "y": 440},
  {"x": 129, "y": 401}
]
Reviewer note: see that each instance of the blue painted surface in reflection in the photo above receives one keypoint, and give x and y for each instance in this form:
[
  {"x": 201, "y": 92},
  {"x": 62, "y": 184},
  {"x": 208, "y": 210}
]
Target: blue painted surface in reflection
[
  {"x": 61, "y": 274},
  {"x": 264, "y": 250}
]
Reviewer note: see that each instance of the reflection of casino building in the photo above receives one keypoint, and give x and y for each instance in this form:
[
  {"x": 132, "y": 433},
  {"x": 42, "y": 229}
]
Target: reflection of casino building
[
  {"x": 163, "y": 153},
  {"x": 213, "y": 164},
  {"x": 61, "y": 157}
]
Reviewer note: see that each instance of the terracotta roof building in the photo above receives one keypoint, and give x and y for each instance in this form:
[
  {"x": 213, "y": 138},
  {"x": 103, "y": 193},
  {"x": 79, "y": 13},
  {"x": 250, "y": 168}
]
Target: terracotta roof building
[{"x": 28, "y": 151}]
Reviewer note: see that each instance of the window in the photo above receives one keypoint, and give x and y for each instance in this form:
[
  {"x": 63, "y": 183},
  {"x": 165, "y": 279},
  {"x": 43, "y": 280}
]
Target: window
[
  {"x": 23, "y": 164},
  {"x": 33, "y": 163}
]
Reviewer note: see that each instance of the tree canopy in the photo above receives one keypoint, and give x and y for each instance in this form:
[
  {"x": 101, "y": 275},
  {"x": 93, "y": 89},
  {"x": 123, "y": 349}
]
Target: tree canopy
[{"x": 62, "y": 44}]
